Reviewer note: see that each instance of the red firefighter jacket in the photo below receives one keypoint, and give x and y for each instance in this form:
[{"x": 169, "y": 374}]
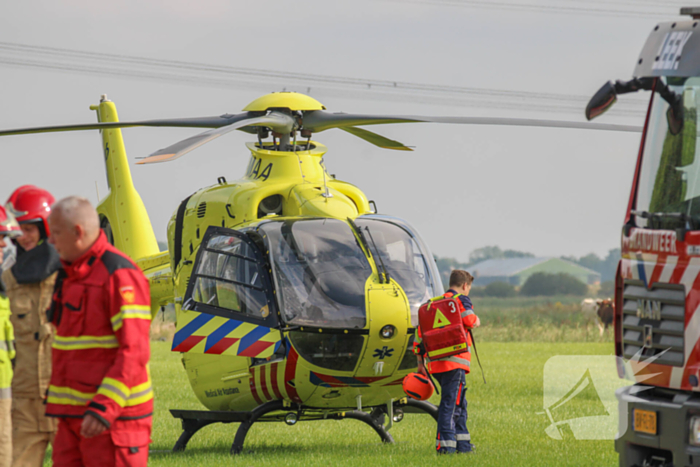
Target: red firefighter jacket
[
  {"x": 101, "y": 309},
  {"x": 461, "y": 360}
]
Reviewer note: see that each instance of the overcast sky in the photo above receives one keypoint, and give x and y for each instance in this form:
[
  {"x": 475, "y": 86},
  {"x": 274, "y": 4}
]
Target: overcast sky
[{"x": 547, "y": 191}]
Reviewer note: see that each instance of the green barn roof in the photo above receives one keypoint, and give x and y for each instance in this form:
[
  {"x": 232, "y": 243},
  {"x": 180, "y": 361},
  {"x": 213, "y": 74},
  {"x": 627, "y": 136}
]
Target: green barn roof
[{"x": 516, "y": 270}]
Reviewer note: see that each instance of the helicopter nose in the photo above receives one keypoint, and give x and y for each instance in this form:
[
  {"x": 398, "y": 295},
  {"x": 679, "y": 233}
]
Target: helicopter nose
[{"x": 388, "y": 316}]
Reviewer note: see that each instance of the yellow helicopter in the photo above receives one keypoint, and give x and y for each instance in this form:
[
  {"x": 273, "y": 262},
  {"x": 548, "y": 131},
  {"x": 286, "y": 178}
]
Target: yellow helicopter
[{"x": 295, "y": 299}]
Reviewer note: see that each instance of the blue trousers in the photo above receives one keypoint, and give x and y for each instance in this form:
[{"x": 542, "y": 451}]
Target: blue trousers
[{"x": 452, "y": 433}]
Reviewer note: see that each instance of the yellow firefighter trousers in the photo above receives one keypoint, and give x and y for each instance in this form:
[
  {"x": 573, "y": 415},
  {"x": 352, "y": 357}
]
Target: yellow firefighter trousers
[{"x": 32, "y": 431}]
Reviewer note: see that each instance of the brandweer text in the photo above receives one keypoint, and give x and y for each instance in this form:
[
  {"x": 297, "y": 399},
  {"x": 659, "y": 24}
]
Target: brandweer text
[{"x": 657, "y": 241}]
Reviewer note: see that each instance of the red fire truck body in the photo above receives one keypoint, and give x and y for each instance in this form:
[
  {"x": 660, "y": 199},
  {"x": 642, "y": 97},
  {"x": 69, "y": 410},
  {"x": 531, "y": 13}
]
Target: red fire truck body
[{"x": 657, "y": 294}]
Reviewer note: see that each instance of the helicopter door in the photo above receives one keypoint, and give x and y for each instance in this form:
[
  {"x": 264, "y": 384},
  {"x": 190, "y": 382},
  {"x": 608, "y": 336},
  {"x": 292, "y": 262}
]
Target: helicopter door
[{"x": 229, "y": 307}]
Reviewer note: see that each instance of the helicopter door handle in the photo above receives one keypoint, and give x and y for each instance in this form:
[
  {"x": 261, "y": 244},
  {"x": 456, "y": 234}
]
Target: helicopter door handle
[
  {"x": 228, "y": 211},
  {"x": 374, "y": 205}
]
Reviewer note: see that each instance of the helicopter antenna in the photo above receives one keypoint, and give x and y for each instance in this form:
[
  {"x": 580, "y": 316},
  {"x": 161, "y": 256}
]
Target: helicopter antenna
[
  {"x": 326, "y": 194},
  {"x": 381, "y": 261}
]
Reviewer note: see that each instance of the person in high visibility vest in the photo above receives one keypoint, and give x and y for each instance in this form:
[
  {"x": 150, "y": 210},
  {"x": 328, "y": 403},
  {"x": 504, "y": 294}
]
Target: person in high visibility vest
[
  {"x": 8, "y": 228},
  {"x": 449, "y": 363}
]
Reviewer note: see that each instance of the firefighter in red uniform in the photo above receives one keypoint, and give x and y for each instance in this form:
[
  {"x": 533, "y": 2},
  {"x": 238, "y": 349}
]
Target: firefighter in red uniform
[
  {"x": 450, "y": 371},
  {"x": 100, "y": 387}
]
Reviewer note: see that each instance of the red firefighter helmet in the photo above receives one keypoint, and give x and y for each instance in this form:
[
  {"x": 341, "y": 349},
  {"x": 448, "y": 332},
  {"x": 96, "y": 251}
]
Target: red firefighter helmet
[
  {"x": 8, "y": 224},
  {"x": 418, "y": 386},
  {"x": 30, "y": 204}
]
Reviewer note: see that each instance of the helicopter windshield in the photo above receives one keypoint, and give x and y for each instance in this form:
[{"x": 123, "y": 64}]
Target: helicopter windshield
[
  {"x": 669, "y": 181},
  {"x": 320, "y": 272},
  {"x": 406, "y": 258}
]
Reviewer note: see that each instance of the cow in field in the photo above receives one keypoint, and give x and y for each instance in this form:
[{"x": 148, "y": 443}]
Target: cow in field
[
  {"x": 600, "y": 311},
  {"x": 606, "y": 311}
]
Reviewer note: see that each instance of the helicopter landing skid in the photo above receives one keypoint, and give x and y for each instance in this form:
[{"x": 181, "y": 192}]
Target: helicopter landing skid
[
  {"x": 195, "y": 420},
  {"x": 372, "y": 419},
  {"x": 409, "y": 405}
]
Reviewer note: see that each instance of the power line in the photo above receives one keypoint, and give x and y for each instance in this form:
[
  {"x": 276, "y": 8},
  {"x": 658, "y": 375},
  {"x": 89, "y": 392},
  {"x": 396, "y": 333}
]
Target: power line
[
  {"x": 228, "y": 70},
  {"x": 546, "y": 8},
  {"x": 634, "y": 3},
  {"x": 201, "y": 74}
]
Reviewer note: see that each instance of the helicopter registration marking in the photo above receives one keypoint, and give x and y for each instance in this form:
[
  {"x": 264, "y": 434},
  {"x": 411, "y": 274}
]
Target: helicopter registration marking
[
  {"x": 255, "y": 172},
  {"x": 215, "y": 335}
]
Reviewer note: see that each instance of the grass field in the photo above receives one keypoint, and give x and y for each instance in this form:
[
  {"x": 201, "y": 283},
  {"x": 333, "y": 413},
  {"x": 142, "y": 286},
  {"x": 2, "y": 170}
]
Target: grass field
[
  {"x": 503, "y": 421},
  {"x": 515, "y": 341},
  {"x": 535, "y": 319}
]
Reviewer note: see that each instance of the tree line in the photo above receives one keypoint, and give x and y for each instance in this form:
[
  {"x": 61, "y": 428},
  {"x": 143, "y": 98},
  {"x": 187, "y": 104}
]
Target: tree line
[{"x": 538, "y": 283}]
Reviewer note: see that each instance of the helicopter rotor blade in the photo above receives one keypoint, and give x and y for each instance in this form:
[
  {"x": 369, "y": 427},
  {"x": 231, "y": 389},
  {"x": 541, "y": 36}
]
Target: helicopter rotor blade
[
  {"x": 530, "y": 122},
  {"x": 374, "y": 138},
  {"x": 199, "y": 122},
  {"x": 318, "y": 120},
  {"x": 276, "y": 121}
]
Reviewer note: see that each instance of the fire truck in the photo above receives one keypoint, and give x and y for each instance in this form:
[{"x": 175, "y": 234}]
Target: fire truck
[{"x": 657, "y": 288}]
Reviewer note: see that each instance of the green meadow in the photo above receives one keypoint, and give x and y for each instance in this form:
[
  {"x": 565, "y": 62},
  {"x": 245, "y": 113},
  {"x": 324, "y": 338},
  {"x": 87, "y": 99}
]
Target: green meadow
[
  {"x": 535, "y": 319},
  {"x": 503, "y": 419},
  {"x": 515, "y": 341}
]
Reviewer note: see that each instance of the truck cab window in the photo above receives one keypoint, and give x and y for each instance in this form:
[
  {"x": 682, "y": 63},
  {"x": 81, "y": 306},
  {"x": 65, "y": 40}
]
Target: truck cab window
[{"x": 669, "y": 181}]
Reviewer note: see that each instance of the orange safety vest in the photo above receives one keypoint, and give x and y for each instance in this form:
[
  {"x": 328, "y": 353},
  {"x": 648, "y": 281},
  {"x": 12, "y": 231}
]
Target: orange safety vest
[{"x": 441, "y": 337}]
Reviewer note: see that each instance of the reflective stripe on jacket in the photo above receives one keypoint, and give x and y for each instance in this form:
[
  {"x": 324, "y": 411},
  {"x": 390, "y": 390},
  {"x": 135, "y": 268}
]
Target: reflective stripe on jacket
[
  {"x": 101, "y": 349},
  {"x": 33, "y": 334},
  {"x": 7, "y": 348},
  {"x": 460, "y": 360}
]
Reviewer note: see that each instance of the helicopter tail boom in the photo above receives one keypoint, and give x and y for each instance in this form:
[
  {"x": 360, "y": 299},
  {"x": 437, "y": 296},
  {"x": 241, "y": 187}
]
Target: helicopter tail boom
[{"x": 122, "y": 213}]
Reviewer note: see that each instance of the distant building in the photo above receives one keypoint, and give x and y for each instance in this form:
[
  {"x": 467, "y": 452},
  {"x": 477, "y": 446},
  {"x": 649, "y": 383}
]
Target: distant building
[{"x": 515, "y": 271}]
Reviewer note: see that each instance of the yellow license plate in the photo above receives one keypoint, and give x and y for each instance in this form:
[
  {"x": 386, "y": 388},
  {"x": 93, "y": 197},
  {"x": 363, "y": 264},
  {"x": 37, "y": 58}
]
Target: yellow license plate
[{"x": 645, "y": 421}]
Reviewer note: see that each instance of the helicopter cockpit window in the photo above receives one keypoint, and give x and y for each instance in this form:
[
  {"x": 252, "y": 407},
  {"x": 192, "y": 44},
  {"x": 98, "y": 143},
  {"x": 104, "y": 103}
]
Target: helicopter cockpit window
[
  {"x": 228, "y": 276},
  {"x": 406, "y": 259},
  {"x": 320, "y": 272},
  {"x": 668, "y": 194}
]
